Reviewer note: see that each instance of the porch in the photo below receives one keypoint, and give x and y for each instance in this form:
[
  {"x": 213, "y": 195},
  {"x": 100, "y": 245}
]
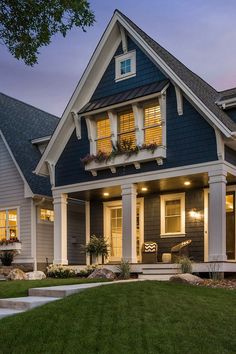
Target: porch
[{"x": 166, "y": 207}]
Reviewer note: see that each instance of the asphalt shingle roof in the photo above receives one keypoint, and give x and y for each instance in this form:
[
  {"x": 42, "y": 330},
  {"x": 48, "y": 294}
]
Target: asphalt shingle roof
[
  {"x": 227, "y": 94},
  {"x": 199, "y": 87},
  {"x": 124, "y": 96},
  {"x": 20, "y": 123}
]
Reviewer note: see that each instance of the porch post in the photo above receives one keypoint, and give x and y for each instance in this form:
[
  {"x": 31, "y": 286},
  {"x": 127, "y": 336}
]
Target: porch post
[
  {"x": 60, "y": 229},
  {"x": 217, "y": 216},
  {"x": 129, "y": 222}
]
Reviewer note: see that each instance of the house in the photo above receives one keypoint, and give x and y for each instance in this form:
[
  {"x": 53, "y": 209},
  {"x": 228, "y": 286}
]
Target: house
[{"x": 145, "y": 151}]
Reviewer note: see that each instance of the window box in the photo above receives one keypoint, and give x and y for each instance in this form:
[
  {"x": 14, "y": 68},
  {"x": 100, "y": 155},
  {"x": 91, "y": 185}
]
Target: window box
[
  {"x": 11, "y": 246},
  {"x": 141, "y": 156}
]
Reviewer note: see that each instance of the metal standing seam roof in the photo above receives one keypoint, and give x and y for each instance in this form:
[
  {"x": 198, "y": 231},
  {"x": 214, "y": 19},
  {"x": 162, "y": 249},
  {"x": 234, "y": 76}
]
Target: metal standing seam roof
[
  {"x": 20, "y": 123},
  {"x": 124, "y": 96},
  {"x": 199, "y": 87}
]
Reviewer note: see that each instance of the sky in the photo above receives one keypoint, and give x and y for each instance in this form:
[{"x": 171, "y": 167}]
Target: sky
[{"x": 200, "y": 33}]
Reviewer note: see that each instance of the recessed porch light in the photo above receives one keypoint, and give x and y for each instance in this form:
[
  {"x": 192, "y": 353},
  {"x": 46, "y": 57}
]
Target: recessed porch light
[
  {"x": 187, "y": 183},
  {"x": 106, "y": 194},
  {"x": 144, "y": 189}
]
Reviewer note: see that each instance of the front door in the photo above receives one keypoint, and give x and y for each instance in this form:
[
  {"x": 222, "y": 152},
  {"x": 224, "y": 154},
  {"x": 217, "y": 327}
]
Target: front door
[
  {"x": 230, "y": 225},
  {"x": 113, "y": 230}
]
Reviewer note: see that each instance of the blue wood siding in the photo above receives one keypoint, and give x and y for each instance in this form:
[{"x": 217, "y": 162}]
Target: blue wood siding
[
  {"x": 230, "y": 155},
  {"x": 190, "y": 140},
  {"x": 232, "y": 113},
  {"x": 146, "y": 73}
]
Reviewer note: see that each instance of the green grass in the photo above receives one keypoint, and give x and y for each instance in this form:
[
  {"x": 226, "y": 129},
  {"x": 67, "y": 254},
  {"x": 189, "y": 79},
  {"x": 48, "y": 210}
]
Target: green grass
[
  {"x": 139, "y": 318},
  {"x": 18, "y": 288}
]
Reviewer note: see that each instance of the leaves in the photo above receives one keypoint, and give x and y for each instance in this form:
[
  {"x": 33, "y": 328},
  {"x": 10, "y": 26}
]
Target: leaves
[{"x": 27, "y": 25}]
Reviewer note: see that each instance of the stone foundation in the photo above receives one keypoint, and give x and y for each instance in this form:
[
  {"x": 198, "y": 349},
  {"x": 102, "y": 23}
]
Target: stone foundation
[{"x": 26, "y": 267}]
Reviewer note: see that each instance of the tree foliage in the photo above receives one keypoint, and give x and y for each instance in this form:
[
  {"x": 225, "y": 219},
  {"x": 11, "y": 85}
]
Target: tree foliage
[{"x": 27, "y": 25}]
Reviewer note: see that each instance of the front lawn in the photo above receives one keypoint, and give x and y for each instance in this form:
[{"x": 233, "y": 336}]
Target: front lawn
[
  {"x": 18, "y": 288},
  {"x": 132, "y": 318}
]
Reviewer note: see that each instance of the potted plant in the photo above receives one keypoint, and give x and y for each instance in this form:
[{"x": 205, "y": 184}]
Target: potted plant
[{"x": 98, "y": 249}]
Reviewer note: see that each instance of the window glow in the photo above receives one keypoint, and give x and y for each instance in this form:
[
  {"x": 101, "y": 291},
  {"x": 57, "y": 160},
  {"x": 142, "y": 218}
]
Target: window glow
[
  {"x": 8, "y": 224},
  {"x": 47, "y": 215},
  {"x": 104, "y": 135},
  {"x": 126, "y": 128},
  {"x": 152, "y": 125}
]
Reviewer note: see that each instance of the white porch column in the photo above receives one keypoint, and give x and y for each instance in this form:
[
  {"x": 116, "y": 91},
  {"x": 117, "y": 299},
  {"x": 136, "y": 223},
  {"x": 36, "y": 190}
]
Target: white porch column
[
  {"x": 217, "y": 216},
  {"x": 60, "y": 229},
  {"x": 129, "y": 222}
]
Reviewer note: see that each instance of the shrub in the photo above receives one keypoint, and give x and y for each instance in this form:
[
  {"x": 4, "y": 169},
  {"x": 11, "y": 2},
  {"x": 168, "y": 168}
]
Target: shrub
[
  {"x": 58, "y": 271},
  {"x": 7, "y": 257},
  {"x": 87, "y": 271},
  {"x": 186, "y": 264},
  {"x": 97, "y": 246},
  {"x": 124, "y": 269}
]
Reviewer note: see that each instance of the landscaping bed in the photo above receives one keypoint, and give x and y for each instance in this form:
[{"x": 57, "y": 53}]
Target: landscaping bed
[{"x": 223, "y": 284}]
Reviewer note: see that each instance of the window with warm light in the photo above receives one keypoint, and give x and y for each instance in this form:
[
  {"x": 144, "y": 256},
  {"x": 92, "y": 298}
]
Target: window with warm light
[
  {"x": 8, "y": 224},
  {"x": 126, "y": 128},
  {"x": 103, "y": 134},
  {"x": 152, "y": 125},
  {"x": 46, "y": 215},
  {"x": 173, "y": 214}
]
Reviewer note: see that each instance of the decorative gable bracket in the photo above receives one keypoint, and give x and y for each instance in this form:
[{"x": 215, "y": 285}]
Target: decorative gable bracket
[
  {"x": 77, "y": 121},
  {"x": 179, "y": 100},
  {"x": 51, "y": 170}
]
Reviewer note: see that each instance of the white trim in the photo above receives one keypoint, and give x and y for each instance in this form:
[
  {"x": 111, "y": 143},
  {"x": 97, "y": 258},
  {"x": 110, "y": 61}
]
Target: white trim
[
  {"x": 179, "y": 99},
  {"x": 77, "y": 121},
  {"x": 51, "y": 170},
  {"x": 33, "y": 234},
  {"x": 123, "y": 57},
  {"x": 87, "y": 228},
  {"x": 27, "y": 190},
  {"x": 170, "y": 197},
  {"x": 220, "y": 144},
  {"x": 41, "y": 140},
  {"x": 206, "y": 196},
  {"x": 146, "y": 176},
  {"x": 123, "y": 39},
  {"x": 118, "y": 204}
]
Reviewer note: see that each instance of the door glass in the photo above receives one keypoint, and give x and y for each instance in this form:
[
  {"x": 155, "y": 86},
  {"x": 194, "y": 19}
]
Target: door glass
[
  {"x": 230, "y": 226},
  {"x": 116, "y": 233}
]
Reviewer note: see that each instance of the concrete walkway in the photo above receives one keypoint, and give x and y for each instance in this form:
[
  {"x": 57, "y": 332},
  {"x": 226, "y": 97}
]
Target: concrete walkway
[{"x": 41, "y": 296}]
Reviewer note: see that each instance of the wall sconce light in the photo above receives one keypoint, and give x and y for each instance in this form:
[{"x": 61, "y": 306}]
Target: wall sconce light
[{"x": 195, "y": 214}]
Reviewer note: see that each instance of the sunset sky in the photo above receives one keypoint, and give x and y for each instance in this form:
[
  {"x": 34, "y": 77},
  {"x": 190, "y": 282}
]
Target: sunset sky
[{"x": 201, "y": 33}]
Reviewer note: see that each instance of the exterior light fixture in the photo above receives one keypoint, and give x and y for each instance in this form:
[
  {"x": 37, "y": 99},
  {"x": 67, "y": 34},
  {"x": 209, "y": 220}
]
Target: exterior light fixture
[
  {"x": 187, "y": 183},
  {"x": 195, "y": 214},
  {"x": 144, "y": 189},
  {"x": 106, "y": 194}
]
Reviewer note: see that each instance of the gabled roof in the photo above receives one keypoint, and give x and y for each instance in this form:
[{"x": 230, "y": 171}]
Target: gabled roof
[
  {"x": 227, "y": 94},
  {"x": 200, "y": 93},
  {"x": 19, "y": 124},
  {"x": 207, "y": 94}
]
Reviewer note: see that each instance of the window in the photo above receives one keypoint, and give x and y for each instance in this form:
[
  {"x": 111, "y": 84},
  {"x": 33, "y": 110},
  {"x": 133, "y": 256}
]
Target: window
[
  {"x": 8, "y": 224},
  {"x": 152, "y": 125},
  {"x": 125, "y": 65},
  {"x": 126, "y": 129},
  {"x": 103, "y": 134},
  {"x": 173, "y": 214},
  {"x": 46, "y": 215}
]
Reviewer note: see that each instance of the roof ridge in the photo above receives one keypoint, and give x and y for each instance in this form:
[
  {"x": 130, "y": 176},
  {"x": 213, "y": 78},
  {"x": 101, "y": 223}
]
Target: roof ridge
[{"x": 29, "y": 105}]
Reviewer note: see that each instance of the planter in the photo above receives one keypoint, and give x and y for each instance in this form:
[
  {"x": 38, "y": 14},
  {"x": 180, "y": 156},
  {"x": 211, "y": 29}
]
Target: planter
[
  {"x": 14, "y": 246},
  {"x": 96, "y": 259},
  {"x": 121, "y": 160}
]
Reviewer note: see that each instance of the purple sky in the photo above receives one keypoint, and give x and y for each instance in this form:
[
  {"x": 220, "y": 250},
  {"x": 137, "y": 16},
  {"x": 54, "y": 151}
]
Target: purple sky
[{"x": 201, "y": 33}]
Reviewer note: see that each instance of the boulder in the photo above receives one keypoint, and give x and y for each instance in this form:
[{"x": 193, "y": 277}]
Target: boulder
[
  {"x": 35, "y": 275},
  {"x": 102, "y": 273},
  {"x": 186, "y": 278},
  {"x": 16, "y": 274}
]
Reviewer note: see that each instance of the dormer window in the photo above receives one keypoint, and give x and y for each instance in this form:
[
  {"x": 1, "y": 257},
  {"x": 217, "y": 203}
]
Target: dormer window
[
  {"x": 125, "y": 66},
  {"x": 103, "y": 135}
]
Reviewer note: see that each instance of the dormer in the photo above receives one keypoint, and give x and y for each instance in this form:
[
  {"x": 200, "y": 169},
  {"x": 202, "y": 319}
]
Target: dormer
[{"x": 41, "y": 143}]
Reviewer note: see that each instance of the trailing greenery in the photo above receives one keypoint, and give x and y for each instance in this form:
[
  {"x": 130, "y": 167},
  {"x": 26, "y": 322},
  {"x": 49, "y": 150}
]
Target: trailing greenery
[
  {"x": 5, "y": 241},
  {"x": 97, "y": 246},
  {"x": 58, "y": 271},
  {"x": 186, "y": 264},
  {"x": 126, "y": 147},
  {"x": 7, "y": 257},
  {"x": 124, "y": 269},
  {"x": 132, "y": 318},
  {"x": 26, "y": 26}
]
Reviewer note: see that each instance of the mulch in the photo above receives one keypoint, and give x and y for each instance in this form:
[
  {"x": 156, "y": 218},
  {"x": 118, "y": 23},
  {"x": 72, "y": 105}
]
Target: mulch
[{"x": 229, "y": 284}]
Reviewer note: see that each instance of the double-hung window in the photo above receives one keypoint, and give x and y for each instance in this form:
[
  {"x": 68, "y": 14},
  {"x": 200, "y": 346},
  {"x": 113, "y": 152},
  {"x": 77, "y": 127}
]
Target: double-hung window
[
  {"x": 8, "y": 224},
  {"x": 103, "y": 133},
  {"x": 46, "y": 215},
  {"x": 152, "y": 124},
  {"x": 173, "y": 214},
  {"x": 126, "y": 129}
]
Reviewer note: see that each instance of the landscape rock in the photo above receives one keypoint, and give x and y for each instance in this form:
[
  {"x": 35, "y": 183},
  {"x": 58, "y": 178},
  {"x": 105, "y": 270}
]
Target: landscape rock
[
  {"x": 186, "y": 278},
  {"x": 16, "y": 274},
  {"x": 102, "y": 273},
  {"x": 35, "y": 275}
]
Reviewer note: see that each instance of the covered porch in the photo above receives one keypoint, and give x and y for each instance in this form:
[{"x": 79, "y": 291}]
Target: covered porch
[{"x": 165, "y": 207}]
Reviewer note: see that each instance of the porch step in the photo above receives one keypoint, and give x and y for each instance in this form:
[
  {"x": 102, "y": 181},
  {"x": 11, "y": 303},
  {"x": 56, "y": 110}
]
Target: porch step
[
  {"x": 9, "y": 312},
  {"x": 25, "y": 303},
  {"x": 160, "y": 277},
  {"x": 160, "y": 271}
]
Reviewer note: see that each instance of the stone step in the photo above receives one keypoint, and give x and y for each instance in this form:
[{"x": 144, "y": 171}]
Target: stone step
[
  {"x": 25, "y": 303},
  {"x": 9, "y": 312},
  {"x": 160, "y": 277},
  {"x": 161, "y": 266},
  {"x": 161, "y": 271}
]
